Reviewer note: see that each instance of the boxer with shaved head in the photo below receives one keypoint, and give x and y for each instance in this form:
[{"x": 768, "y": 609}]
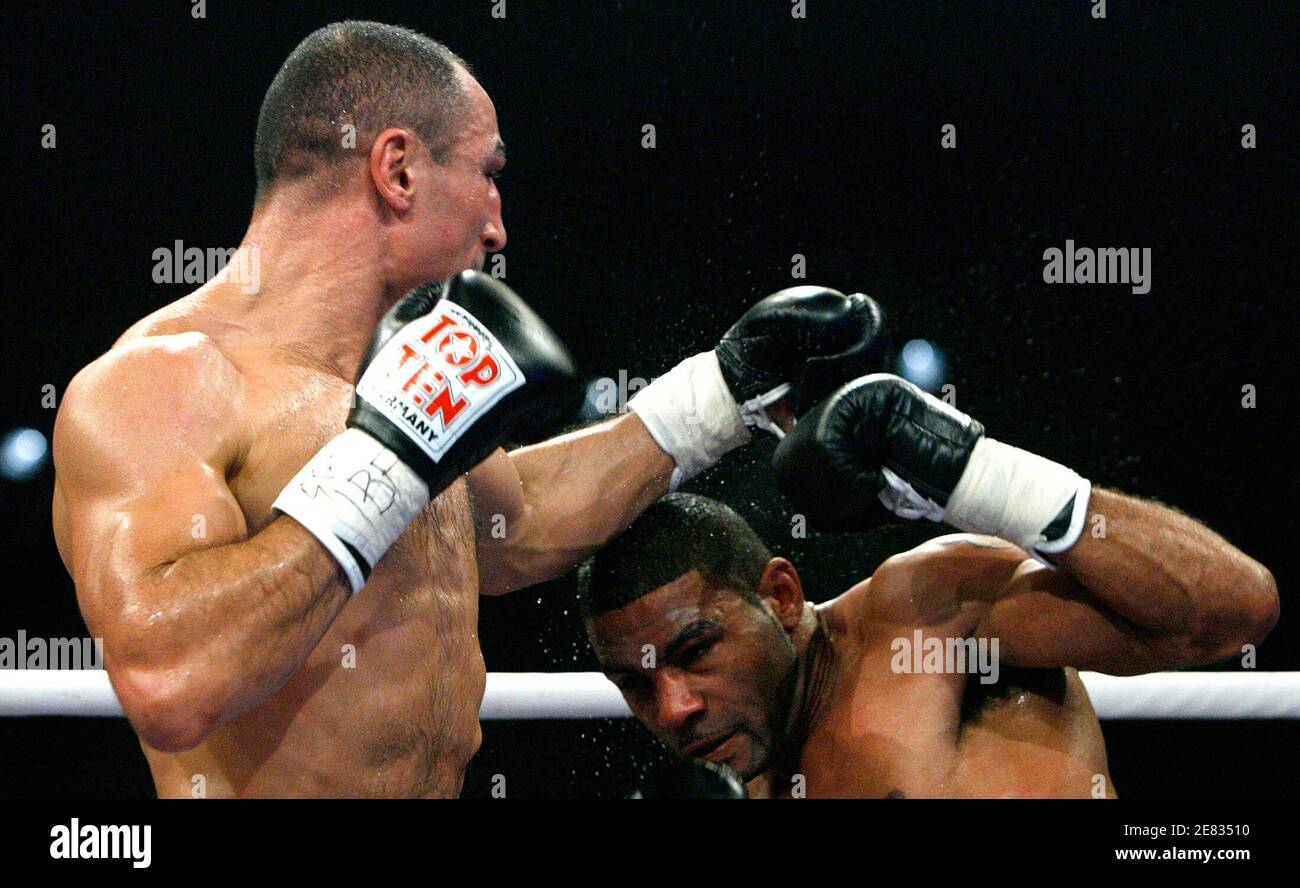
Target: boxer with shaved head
[{"x": 285, "y": 571}]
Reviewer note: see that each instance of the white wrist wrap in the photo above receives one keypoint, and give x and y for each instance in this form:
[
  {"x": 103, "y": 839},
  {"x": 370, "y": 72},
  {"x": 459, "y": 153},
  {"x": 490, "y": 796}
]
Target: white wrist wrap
[
  {"x": 354, "y": 492},
  {"x": 690, "y": 413},
  {"x": 1014, "y": 494}
]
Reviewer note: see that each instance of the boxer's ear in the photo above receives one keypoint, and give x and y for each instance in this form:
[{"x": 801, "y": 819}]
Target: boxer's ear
[
  {"x": 780, "y": 583},
  {"x": 389, "y": 164}
]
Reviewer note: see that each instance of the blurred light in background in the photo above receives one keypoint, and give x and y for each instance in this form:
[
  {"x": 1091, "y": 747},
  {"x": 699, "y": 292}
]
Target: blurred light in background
[
  {"x": 922, "y": 364},
  {"x": 22, "y": 454},
  {"x": 596, "y": 406}
]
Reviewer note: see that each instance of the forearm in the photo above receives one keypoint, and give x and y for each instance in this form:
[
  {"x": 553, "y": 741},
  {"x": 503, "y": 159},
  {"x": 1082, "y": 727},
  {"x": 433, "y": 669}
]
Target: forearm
[
  {"x": 579, "y": 491},
  {"x": 582, "y": 489},
  {"x": 1139, "y": 586},
  {"x": 1171, "y": 576},
  {"x": 217, "y": 631}
]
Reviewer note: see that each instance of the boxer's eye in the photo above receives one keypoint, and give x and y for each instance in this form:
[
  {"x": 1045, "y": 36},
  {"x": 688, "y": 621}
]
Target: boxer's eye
[{"x": 694, "y": 652}]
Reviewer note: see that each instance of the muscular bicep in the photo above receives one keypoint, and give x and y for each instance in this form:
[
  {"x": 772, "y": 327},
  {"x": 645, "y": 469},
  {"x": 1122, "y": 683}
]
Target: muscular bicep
[
  {"x": 141, "y": 448},
  {"x": 986, "y": 587},
  {"x": 1046, "y": 618}
]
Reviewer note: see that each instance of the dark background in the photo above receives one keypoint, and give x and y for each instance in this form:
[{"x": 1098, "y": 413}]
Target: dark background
[{"x": 775, "y": 136}]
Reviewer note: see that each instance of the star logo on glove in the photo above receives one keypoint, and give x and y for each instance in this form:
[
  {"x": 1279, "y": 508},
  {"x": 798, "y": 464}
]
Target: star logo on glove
[{"x": 458, "y": 348}]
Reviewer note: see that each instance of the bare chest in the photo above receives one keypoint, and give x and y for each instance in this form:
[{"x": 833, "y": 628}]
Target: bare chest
[
  {"x": 293, "y": 412},
  {"x": 397, "y": 679}
]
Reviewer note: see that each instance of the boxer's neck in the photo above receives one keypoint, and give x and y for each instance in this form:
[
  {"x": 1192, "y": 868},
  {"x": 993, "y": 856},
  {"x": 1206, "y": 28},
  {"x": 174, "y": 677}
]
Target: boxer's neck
[
  {"x": 324, "y": 280},
  {"x": 815, "y": 676}
]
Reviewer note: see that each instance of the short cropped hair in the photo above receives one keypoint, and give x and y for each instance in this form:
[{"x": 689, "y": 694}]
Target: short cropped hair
[
  {"x": 366, "y": 74},
  {"x": 680, "y": 533}
]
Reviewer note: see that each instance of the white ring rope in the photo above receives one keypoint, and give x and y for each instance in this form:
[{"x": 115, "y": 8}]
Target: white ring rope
[{"x": 572, "y": 695}]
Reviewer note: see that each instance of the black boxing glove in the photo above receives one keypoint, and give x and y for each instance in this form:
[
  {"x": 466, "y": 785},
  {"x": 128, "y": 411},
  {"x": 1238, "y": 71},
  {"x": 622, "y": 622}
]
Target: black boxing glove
[
  {"x": 452, "y": 372},
  {"x": 531, "y": 390},
  {"x": 805, "y": 342},
  {"x": 881, "y": 445},
  {"x": 689, "y": 779},
  {"x": 802, "y": 341}
]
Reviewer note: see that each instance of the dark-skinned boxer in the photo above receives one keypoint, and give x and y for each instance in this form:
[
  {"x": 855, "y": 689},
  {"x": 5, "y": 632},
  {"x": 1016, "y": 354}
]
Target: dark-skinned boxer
[{"x": 836, "y": 699}]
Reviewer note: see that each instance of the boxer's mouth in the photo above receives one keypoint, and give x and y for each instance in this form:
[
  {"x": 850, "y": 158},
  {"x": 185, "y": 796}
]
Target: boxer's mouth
[{"x": 704, "y": 748}]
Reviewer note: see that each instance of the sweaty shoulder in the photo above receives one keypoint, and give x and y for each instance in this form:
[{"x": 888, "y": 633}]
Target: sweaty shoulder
[
  {"x": 149, "y": 400},
  {"x": 935, "y": 580}
]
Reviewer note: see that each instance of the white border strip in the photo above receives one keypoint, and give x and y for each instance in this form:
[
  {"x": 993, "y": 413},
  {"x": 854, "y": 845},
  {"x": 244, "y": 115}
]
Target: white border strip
[{"x": 574, "y": 695}]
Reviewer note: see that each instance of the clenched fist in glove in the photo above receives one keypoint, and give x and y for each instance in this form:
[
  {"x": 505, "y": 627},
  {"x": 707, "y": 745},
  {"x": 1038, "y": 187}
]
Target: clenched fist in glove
[
  {"x": 880, "y": 444},
  {"x": 801, "y": 342}
]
